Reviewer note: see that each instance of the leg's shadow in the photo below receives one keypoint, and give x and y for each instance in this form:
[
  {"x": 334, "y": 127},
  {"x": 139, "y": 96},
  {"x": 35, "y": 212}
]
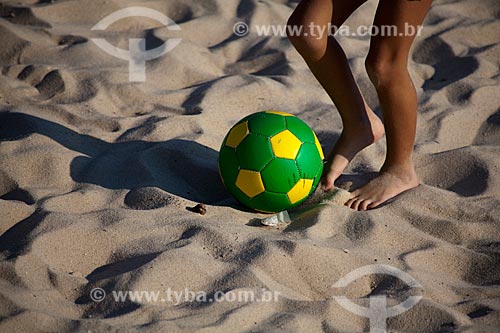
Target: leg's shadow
[{"x": 181, "y": 167}]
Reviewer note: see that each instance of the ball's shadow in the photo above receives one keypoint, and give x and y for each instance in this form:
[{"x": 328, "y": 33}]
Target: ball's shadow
[{"x": 181, "y": 167}]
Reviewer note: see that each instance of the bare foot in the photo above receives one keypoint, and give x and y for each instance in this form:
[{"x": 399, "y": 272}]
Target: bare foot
[
  {"x": 351, "y": 142},
  {"x": 386, "y": 186}
]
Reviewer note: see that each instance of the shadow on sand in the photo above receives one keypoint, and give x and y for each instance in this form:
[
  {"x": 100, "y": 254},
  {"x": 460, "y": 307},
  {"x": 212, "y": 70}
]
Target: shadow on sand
[{"x": 181, "y": 167}]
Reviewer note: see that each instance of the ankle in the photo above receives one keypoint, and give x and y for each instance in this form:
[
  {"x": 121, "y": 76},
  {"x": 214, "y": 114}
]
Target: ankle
[
  {"x": 369, "y": 132},
  {"x": 404, "y": 171},
  {"x": 354, "y": 124}
]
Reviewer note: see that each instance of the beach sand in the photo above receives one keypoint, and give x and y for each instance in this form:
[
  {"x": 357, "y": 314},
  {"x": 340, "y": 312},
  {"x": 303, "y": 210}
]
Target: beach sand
[{"x": 97, "y": 174}]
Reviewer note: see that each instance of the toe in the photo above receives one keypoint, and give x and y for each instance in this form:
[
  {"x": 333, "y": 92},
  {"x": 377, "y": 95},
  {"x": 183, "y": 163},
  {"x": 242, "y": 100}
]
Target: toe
[
  {"x": 326, "y": 185},
  {"x": 364, "y": 204},
  {"x": 349, "y": 202},
  {"x": 374, "y": 204},
  {"x": 356, "y": 204},
  {"x": 328, "y": 179}
]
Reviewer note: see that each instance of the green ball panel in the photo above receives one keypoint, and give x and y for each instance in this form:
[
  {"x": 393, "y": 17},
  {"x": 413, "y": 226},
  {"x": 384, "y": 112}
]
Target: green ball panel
[
  {"x": 300, "y": 129},
  {"x": 266, "y": 124},
  {"x": 317, "y": 178},
  {"x": 280, "y": 175},
  {"x": 241, "y": 197},
  {"x": 308, "y": 160},
  {"x": 270, "y": 202},
  {"x": 228, "y": 165},
  {"x": 254, "y": 152}
]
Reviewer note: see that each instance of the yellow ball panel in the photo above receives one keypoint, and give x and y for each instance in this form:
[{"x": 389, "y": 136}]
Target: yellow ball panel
[
  {"x": 250, "y": 183},
  {"x": 237, "y": 134},
  {"x": 300, "y": 190},
  {"x": 318, "y": 145},
  {"x": 285, "y": 145},
  {"x": 281, "y": 113}
]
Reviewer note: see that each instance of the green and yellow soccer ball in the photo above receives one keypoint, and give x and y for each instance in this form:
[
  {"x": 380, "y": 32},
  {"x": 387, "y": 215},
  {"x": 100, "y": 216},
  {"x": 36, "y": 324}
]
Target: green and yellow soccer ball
[{"x": 271, "y": 161}]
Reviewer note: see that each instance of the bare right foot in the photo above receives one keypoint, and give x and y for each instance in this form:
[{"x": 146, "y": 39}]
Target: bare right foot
[
  {"x": 351, "y": 142},
  {"x": 390, "y": 182}
]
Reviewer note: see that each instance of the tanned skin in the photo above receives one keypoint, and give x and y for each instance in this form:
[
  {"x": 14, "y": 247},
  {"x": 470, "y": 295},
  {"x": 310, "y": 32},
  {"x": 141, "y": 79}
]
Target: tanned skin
[{"x": 386, "y": 65}]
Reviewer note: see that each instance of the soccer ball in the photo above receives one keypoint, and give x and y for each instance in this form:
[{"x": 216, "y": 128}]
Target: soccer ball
[{"x": 270, "y": 161}]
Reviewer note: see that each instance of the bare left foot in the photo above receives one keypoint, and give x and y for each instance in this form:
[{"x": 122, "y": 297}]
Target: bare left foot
[
  {"x": 387, "y": 185},
  {"x": 351, "y": 142}
]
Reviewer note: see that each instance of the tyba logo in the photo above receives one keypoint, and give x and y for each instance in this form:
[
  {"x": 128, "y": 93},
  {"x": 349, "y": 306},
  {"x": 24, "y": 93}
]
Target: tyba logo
[
  {"x": 136, "y": 55},
  {"x": 377, "y": 312}
]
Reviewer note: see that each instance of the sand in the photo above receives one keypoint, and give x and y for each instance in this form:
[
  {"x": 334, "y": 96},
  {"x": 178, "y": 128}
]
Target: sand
[{"x": 97, "y": 174}]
